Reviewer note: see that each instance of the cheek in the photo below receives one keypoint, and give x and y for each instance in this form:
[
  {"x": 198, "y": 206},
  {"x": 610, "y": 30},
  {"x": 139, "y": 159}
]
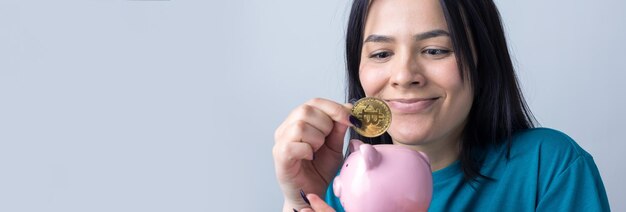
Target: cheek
[
  {"x": 372, "y": 80},
  {"x": 460, "y": 94},
  {"x": 458, "y": 91},
  {"x": 448, "y": 77},
  {"x": 462, "y": 90}
]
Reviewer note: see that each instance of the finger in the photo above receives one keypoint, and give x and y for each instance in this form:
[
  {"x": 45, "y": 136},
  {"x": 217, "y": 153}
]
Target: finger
[
  {"x": 334, "y": 141},
  {"x": 309, "y": 134},
  {"x": 312, "y": 115},
  {"x": 318, "y": 204},
  {"x": 291, "y": 152},
  {"x": 337, "y": 112},
  {"x": 304, "y": 132}
]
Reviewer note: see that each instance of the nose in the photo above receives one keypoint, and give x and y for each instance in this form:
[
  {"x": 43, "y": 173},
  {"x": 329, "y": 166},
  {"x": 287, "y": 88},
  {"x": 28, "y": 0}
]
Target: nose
[{"x": 407, "y": 73}]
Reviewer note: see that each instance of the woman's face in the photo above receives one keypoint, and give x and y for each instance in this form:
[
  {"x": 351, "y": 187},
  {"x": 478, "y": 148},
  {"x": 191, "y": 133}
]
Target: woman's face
[{"x": 407, "y": 60}]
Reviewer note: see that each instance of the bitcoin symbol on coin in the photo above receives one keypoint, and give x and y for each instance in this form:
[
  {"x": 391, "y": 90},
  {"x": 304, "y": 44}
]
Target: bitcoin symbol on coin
[{"x": 374, "y": 115}]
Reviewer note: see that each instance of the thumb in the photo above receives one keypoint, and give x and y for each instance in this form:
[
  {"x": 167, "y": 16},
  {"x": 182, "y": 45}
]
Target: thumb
[{"x": 335, "y": 138}]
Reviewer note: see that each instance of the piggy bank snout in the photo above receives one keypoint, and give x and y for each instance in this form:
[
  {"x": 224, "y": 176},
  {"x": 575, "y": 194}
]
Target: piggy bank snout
[{"x": 337, "y": 186}]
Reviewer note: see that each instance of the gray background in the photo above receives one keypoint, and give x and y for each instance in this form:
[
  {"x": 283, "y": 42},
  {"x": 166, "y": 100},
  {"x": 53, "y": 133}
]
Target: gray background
[{"x": 114, "y": 105}]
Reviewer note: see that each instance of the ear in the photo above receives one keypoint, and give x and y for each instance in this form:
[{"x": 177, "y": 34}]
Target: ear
[
  {"x": 354, "y": 145},
  {"x": 371, "y": 156}
]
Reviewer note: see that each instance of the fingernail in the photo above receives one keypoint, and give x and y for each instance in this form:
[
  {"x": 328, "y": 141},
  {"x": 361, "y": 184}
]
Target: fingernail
[
  {"x": 356, "y": 122},
  {"x": 294, "y": 210},
  {"x": 304, "y": 197}
]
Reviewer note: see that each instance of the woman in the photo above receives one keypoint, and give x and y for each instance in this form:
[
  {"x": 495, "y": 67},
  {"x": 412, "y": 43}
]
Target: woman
[{"x": 444, "y": 69}]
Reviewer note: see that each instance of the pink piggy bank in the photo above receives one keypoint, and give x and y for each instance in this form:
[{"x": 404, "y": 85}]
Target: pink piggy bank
[{"x": 384, "y": 177}]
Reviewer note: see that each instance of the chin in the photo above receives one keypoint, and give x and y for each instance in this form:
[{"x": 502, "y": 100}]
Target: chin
[
  {"x": 409, "y": 136},
  {"x": 409, "y": 132}
]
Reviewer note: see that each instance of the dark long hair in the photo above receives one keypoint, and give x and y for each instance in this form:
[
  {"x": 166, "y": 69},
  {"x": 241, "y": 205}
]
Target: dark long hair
[{"x": 498, "y": 110}]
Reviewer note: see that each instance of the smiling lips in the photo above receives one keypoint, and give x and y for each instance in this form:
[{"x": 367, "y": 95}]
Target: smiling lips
[{"x": 414, "y": 105}]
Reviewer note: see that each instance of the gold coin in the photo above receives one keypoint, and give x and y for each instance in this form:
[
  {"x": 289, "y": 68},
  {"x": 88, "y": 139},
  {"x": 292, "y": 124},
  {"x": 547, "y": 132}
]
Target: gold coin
[{"x": 374, "y": 115}]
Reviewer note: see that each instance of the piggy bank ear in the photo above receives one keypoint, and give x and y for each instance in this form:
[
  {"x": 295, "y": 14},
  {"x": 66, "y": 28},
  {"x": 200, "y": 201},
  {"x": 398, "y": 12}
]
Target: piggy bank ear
[
  {"x": 371, "y": 156},
  {"x": 425, "y": 157},
  {"x": 355, "y": 145}
]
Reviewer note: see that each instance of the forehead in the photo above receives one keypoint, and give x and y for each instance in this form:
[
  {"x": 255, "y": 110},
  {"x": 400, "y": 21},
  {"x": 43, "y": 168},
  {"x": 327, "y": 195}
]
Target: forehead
[{"x": 404, "y": 17}]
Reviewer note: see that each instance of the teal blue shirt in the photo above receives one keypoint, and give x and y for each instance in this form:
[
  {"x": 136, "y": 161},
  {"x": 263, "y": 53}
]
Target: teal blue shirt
[{"x": 546, "y": 171}]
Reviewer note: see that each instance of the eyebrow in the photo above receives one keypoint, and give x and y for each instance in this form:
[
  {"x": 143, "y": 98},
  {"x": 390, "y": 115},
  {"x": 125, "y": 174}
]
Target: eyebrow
[{"x": 418, "y": 37}]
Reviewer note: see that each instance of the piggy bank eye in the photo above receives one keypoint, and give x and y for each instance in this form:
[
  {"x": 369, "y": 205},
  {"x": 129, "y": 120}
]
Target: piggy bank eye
[{"x": 346, "y": 165}]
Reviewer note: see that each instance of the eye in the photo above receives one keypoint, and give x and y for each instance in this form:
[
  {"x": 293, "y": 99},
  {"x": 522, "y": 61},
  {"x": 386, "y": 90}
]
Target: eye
[
  {"x": 436, "y": 53},
  {"x": 381, "y": 55}
]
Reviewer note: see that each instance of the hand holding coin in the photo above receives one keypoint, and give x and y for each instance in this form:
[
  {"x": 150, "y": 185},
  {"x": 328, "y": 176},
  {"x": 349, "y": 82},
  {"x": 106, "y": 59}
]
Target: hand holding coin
[
  {"x": 308, "y": 149},
  {"x": 308, "y": 145}
]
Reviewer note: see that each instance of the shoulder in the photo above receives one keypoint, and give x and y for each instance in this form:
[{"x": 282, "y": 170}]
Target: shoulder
[
  {"x": 547, "y": 151},
  {"x": 543, "y": 135},
  {"x": 564, "y": 174},
  {"x": 546, "y": 142}
]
